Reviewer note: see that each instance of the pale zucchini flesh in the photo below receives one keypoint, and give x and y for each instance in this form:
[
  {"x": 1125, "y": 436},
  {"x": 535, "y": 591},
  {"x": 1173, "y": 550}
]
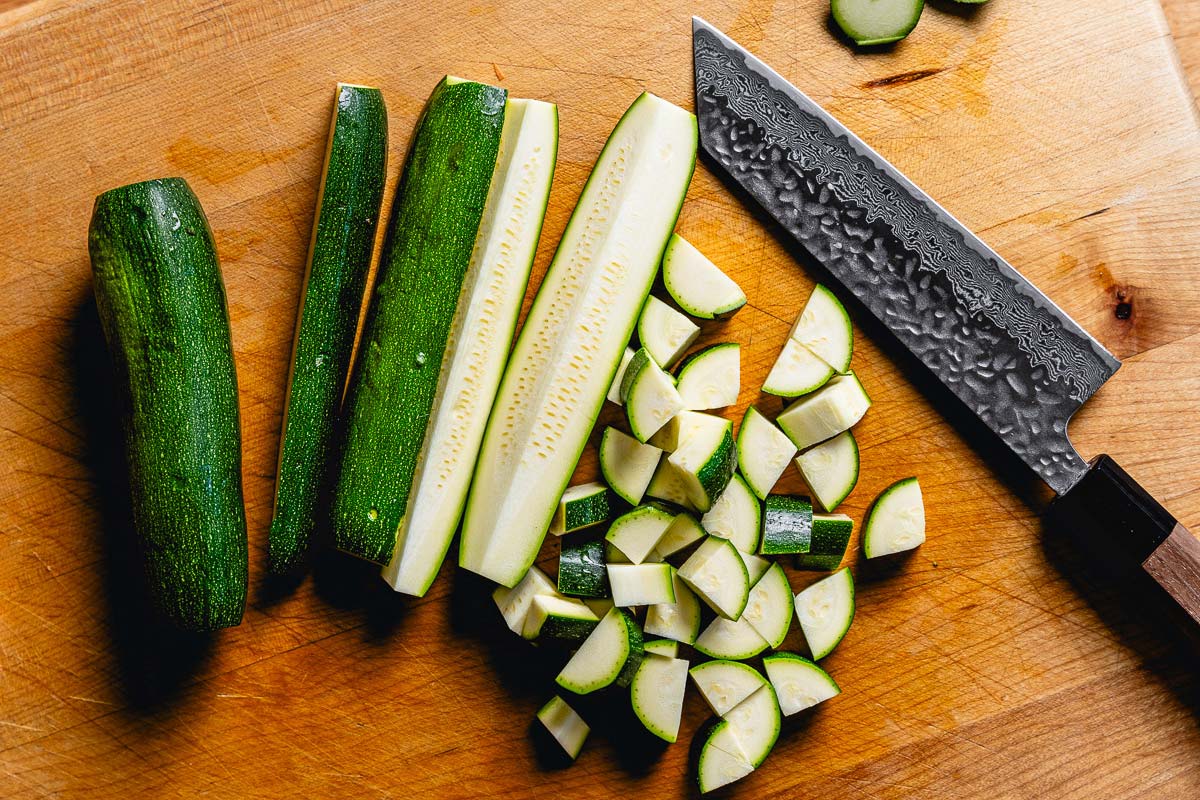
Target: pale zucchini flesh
[
  {"x": 823, "y": 325},
  {"x": 650, "y": 396},
  {"x": 664, "y": 332},
  {"x": 670, "y": 484},
  {"x": 769, "y": 607},
  {"x": 564, "y": 724},
  {"x": 798, "y": 682},
  {"x": 680, "y": 620},
  {"x": 755, "y": 724},
  {"x": 697, "y": 284},
  {"x": 614, "y": 389},
  {"x": 606, "y": 656},
  {"x": 558, "y": 618},
  {"x": 896, "y": 522},
  {"x": 763, "y": 452},
  {"x": 830, "y": 469},
  {"x": 874, "y": 22},
  {"x": 637, "y": 531},
  {"x": 721, "y": 762},
  {"x": 662, "y": 647},
  {"x": 836, "y": 407},
  {"x": 718, "y": 575},
  {"x": 797, "y": 371},
  {"x": 685, "y": 531},
  {"x": 514, "y": 603},
  {"x": 657, "y": 694},
  {"x": 627, "y": 464},
  {"x": 725, "y": 683},
  {"x": 736, "y": 516},
  {"x": 711, "y": 378},
  {"x": 825, "y": 611},
  {"x": 572, "y": 341},
  {"x": 730, "y": 639},
  {"x": 641, "y": 584},
  {"x": 705, "y": 462},
  {"x": 478, "y": 342}
]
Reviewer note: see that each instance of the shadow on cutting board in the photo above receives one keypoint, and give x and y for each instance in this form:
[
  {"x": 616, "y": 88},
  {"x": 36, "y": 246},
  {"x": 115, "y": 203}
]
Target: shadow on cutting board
[{"x": 154, "y": 660}]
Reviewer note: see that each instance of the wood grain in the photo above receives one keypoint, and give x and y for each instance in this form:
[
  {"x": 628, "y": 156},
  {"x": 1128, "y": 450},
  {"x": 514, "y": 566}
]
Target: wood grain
[
  {"x": 989, "y": 664},
  {"x": 1175, "y": 565}
]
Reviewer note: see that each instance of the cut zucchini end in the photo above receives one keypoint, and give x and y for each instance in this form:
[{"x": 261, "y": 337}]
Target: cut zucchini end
[
  {"x": 831, "y": 469},
  {"x": 565, "y": 725},
  {"x": 896, "y": 522},
  {"x": 724, "y": 683},
  {"x": 825, "y": 611},
  {"x": 799, "y": 683},
  {"x": 604, "y": 656},
  {"x": 717, "y": 573},
  {"x": 718, "y": 766},
  {"x": 696, "y": 284},
  {"x": 657, "y": 694}
]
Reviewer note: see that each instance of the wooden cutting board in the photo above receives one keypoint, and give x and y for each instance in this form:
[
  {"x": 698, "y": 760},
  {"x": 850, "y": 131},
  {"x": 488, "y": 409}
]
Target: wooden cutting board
[{"x": 987, "y": 665}]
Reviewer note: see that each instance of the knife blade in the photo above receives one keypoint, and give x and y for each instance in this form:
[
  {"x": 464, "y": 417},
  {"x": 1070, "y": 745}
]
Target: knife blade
[{"x": 1016, "y": 361}]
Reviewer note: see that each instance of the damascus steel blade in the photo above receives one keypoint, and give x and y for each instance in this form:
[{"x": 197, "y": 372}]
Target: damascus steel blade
[{"x": 1015, "y": 359}]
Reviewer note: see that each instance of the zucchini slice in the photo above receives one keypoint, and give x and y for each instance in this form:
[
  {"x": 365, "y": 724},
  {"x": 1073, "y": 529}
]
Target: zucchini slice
[
  {"x": 614, "y": 388},
  {"x": 566, "y": 726},
  {"x": 825, "y": 611},
  {"x": 755, "y": 723},
  {"x": 679, "y": 620},
  {"x": 717, "y": 573},
  {"x": 668, "y": 648},
  {"x": 335, "y": 276},
  {"x": 798, "y": 682},
  {"x": 637, "y": 531},
  {"x": 683, "y": 426},
  {"x": 611, "y": 654},
  {"x": 480, "y": 335},
  {"x": 627, "y": 464},
  {"x": 769, "y": 607},
  {"x": 723, "y": 684},
  {"x": 657, "y": 694},
  {"x": 873, "y": 22},
  {"x": 763, "y": 452},
  {"x": 685, "y": 531},
  {"x": 431, "y": 237},
  {"x": 797, "y": 371},
  {"x": 736, "y": 516},
  {"x": 559, "y": 618},
  {"x": 897, "y": 520},
  {"x": 670, "y": 484},
  {"x": 161, "y": 302},
  {"x": 836, "y": 407},
  {"x": 514, "y": 603},
  {"x": 720, "y": 761},
  {"x": 664, "y": 333},
  {"x": 651, "y": 399},
  {"x": 711, "y": 378},
  {"x": 581, "y": 571},
  {"x": 830, "y": 539},
  {"x": 824, "y": 326},
  {"x": 787, "y": 524},
  {"x": 571, "y": 343},
  {"x": 581, "y": 506},
  {"x": 830, "y": 469},
  {"x": 697, "y": 284},
  {"x": 705, "y": 462},
  {"x": 613, "y": 555},
  {"x": 732, "y": 640},
  {"x": 641, "y": 584},
  {"x": 755, "y": 567}
]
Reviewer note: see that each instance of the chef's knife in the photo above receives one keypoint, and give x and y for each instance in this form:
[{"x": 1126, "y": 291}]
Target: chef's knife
[{"x": 1017, "y": 362}]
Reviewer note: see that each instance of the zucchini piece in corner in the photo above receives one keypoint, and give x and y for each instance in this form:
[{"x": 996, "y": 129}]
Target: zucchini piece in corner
[
  {"x": 480, "y": 335},
  {"x": 873, "y": 22},
  {"x": 711, "y": 378},
  {"x": 896, "y": 522},
  {"x": 581, "y": 506},
  {"x": 664, "y": 332},
  {"x": 763, "y": 452},
  {"x": 339, "y": 257},
  {"x": 698, "y": 285},
  {"x": 161, "y": 302},
  {"x": 611, "y": 654},
  {"x": 431, "y": 236},
  {"x": 830, "y": 469},
  {"x": 627, "y": 464},
  {"x": 566, "y": 726},
  {"x": 650, "y": 396},
  {"x": 572, "y": 341}
]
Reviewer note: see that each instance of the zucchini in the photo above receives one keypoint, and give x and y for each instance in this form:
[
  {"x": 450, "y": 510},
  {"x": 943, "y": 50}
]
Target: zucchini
[
  {"x": 682, "y": 427},
  {"x": 514, "y": 603},
  {"x": 559, "y": 618},
  {"x": 161, "y": 302},
  {"x": 798, "y": 682},
  {"x": 705, "y": 462},
  {"x": 637, "y": 531},
  {"x": 581, "y": 506},
  {"x": 566, "y": 726},
  {"x": 787, "y": 524},
  {"x": 641, "y": 584},
  {"x": 723, "y": 684},
  {"x": 830, "y": 538},
  {"x": 834, "y": 408},
  {"x": 711, "y": 378},
  {"x": 627, "y": 464},
  {"x": 649, "y": 394},
  {"x": 755, "y": 567},
  {"x": 670, "y": 484},
  {"x": 896, "y": 522},
  {"x": 477, "y": 348},
  {"x": 581, "y": 571},
  {"x": 823, "y": 325},
  {"x": 830, "y": 469},
  {"x": 825, "y": 611},
  {"x": 698, "y": 285},
  {"x": 571, "y": 342},
  {"x": 730, "y": 639},
  {"x": 679, "y": 620},
  {"x": 685, "y": 531},
  {"x": 335, "y": 276},
  {"x": 736, "y": 516},
  {"x": 717, "y": 573},
  {"x": 769, "y": 607},
  {"x": 611, "y": 654},
  {"x": 667, "y": 648},
  {"x": 657, "y": 695},
  {"x": 721, "y": 762},
  {"x": 755, "y": 724},
  {"x": 664, "y": 333},
  {"x": 763, "y": 452},
  {"x": 431, "y": 235},
  {"x": 874, "y": 22},
  {"x": 614, "y": 388},
  {"x": 796, "y": 371}
]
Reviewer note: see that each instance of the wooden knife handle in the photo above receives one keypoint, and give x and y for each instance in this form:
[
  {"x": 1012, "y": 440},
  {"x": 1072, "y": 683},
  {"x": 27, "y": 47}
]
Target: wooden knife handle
[{"x": 1121, "y": 521}]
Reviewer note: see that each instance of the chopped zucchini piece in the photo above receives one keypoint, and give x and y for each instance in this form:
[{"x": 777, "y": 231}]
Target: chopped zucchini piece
[
  {"x": 514, "y": 603},
  {"x": 830, "y": 469},
  {"x": 736, "y": 516},
  {"x": 566, "y": 726},
  {"x": 679, "y": 620},
  {"x": 787, "y": 524},
  {"x": 798, "y": 682},
  {"x": 711, "y": 378},
  {"x": 581, "y": 571},
  {"x": 763, "y": 452},
  {"x": 657, "y": 694},
  {"x": 897, "y": 520},
  {"x": 611, "y": 654},
  {"x": 662, "y": 647},
  {"x": 637, "y": 531},
  {"x": 698, "y": 285},
  {"x": 769, "y": 607},
  {"x": 830, "y": 538},
  {"x": 560, "y": 618},
  {"x": 705, "y": 462},
  {"x": 650, "y": 396},
  {"x": 717, "y": 573},
  {"x": 685, "y": 531},
  {"x": 824, "y": 326},
  {"x": 581, "y": 506},
  {"x": 641, "y": 584},
  {"x": 825, "y": 611},
  {"x": 836, "y": 407},
  {"x": 797, "y": 371},
  {"x": 732, "y": 640},
  {"x": 665, "y": 333},
  {"x": 627, "y": 465},
  {"x": 614, "y": 389}
]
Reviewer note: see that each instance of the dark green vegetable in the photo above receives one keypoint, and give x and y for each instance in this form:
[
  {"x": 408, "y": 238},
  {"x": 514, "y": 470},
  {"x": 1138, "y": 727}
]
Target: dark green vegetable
[
  {"x": 787, "y": 524},
  {"x": 830, "y": 538},
  {"x": 338, "y": 261},
  {"x": 161, "y": 301},
  {"x": 582, "y": 568},
  {"x": 430, "y": 237}
]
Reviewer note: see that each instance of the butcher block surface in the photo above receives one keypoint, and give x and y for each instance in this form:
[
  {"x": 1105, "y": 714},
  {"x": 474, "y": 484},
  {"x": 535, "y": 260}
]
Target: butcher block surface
[{"x": 988, "y": 664}]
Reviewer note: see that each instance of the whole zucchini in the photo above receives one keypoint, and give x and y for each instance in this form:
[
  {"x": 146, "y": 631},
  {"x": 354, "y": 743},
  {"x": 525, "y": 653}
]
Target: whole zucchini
[{"x": 161, "y": 302}]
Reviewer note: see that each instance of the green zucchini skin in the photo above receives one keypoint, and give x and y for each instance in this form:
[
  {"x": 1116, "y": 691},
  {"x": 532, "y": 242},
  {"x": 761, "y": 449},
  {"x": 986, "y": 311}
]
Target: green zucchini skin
[
  {"x": 161, "y": 302},
  {"x": 339, "y": 258},
  {"x": 436, "y": 215}
]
